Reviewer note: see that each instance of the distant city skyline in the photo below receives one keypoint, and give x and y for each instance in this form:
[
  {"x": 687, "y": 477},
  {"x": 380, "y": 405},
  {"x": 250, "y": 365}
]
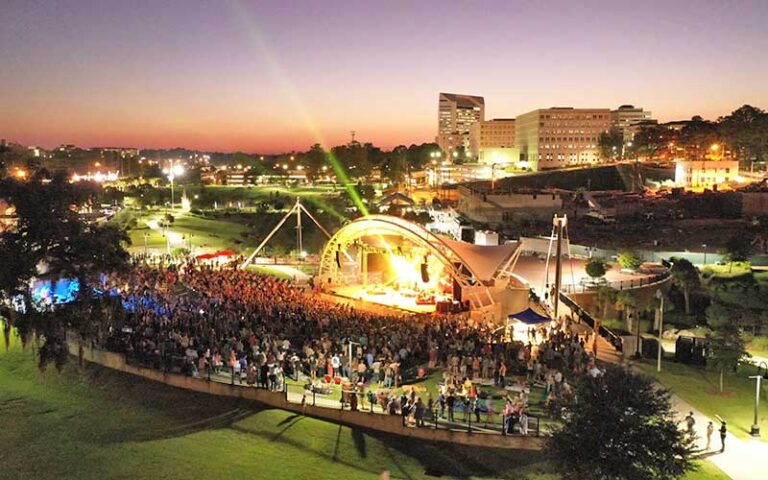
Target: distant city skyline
[{"x": 271, "y": 77}]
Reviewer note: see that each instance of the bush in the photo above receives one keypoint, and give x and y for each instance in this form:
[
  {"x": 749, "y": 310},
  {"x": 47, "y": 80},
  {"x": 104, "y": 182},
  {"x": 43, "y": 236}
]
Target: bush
[
  {"x": 596, "y": 268},
  {"x": 630, "y": 260}
]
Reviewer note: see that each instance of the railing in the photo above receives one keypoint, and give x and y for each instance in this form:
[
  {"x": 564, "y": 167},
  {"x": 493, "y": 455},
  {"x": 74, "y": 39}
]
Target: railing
[
  {"x": 620, "y": 285},
  {"x": 587, "y": 318},
  {"x": 369, "y": 402}
]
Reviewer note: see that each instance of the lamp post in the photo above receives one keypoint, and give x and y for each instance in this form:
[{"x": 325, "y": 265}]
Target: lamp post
[
  {"x": 704, "y": 245},
  {"x": 660, "y": 296},
  {"x": 174, "y": 172},
  {"x": 755, "y": 430}
]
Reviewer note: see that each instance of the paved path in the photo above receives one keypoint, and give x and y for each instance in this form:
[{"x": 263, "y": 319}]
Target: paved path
[{"x": 742, "y": 459}]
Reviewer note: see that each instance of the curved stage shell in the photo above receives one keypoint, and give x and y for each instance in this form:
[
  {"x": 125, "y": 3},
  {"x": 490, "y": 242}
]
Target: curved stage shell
[{"x": 389, "y": 260}]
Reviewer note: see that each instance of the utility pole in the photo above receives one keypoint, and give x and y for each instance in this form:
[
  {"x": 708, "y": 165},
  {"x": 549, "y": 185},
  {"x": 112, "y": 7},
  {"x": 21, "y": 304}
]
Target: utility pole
[
  {"x": 298, "y": 228},
  {"x": 755, "y": 430},
  {"x": 559, "y": 224},
  {"x": 660, "y": 296}
]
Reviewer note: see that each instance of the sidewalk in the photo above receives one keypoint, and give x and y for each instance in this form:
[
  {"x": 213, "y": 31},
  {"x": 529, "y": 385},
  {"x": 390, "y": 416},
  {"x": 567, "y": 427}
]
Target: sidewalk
[{"x": 742, "y": 459}]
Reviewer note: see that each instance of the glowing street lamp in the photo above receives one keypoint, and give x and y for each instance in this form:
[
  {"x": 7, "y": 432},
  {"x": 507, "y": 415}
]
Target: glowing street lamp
[{"x": 175, "y": 171}]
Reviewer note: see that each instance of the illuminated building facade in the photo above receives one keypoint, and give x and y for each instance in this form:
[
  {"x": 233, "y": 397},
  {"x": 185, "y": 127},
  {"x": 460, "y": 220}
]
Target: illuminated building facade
[
  {"x": 561, "y": 136},
  {"x": 496, "y": 133},
  {"x": 627, "y": 116},
  {"x": 456, "y": 114},
  {"x": 706, "y": 174}
]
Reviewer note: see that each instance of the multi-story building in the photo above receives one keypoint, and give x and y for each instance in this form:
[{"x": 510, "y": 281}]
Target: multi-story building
[
  {"x": 705, "y": 174},
  {"x": 560, "y": 136},
  {"x": 627, "y": 116},
  {"x": 496, "y": 133},
  {"x": 455, "y": 115}
]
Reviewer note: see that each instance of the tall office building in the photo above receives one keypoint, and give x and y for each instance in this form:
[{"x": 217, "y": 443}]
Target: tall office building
[
  {"x": 627, "y": 116},
  {"x": 455, "y": 115},
  {"x": 496, "y": 133},
  {"x": 560, "y": 136}
]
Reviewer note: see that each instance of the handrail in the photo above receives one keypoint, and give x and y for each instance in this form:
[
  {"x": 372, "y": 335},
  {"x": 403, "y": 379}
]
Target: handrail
[{"x": 585, "y": 316}]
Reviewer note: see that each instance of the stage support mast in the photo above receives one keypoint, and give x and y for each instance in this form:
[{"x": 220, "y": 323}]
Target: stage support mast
[{"x": 297, "y": 209}]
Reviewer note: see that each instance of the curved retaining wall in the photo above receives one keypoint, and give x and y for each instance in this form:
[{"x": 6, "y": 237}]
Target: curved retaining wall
[{"x": 382, "y": 423}]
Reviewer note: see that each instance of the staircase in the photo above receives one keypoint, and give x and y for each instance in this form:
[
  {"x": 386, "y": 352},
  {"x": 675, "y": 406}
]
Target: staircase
[
  {"x": 606, "y": 352},
  {"x": 608, "y": 344}
]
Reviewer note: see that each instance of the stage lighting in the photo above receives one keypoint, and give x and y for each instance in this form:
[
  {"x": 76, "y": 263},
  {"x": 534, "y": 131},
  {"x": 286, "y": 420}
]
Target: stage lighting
[
  {"x": 338, "y": 259},
  {"x": 424, "y": 273}
]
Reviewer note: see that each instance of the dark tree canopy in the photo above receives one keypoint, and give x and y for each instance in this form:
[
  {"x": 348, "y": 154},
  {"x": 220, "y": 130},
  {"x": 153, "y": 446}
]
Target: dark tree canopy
[
  {"x": 621, "y": 428},
  {"x": 51, "y": 240},
  {"x": 595, "y": 268}
]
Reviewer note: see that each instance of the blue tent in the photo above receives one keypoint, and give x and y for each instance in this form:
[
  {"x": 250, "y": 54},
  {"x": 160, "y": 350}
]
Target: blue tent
[{"x": 529, "y": 317}]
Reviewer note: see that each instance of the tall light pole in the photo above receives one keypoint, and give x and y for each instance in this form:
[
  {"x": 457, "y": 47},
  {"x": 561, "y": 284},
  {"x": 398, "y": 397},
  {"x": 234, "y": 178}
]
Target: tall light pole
[
  {"x": 174, "y": 172},
  {"x": 755, "y": 430},
  {"x": 660, "y": 296},
  {"x": 704, "y": 245}
]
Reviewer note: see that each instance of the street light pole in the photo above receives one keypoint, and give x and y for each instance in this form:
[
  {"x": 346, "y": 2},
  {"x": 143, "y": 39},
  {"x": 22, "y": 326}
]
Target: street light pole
[
  {"x": 755, "y": 430},
  {"x": 660, "y": 296},
  {"x": 705, "y": 252}
]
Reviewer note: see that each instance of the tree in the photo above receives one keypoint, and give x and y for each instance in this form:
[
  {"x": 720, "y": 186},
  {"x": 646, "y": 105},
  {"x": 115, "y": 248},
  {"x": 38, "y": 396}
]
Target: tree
[
  {"x": 697, "y": 136},
  {"x": 50, "y": 239},
  {"x": 628, "y": 303},
  {"x": 610, "y": 143},
  {"x": 737, "y": 249},
  {"x": 630, "y": 260},
  {"x": 746, "y": 131},
  {"x": 651, "y": 140},
  {"x": 596, "y": 268},
  {"x": 606, "y": 298},
  {"x": 726, "y": 346},
  {"x": 686, "y": 278},
  {"x": 621, "y": 428}
]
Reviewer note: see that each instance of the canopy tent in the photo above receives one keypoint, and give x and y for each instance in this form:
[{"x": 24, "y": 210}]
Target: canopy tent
[
  {"x": 529, "y": 317},
  {"x": 523, "y": 322},
  {"x": 220, "y": 253}
]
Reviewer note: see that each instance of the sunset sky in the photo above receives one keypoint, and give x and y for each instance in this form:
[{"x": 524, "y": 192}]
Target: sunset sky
[{"x": 269, "y": 76}]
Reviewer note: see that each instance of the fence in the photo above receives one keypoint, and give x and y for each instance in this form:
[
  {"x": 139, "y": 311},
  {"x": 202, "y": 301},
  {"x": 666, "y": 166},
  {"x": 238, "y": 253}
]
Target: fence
[
  {"x": 540, "y": 246},
  {"x": 435, "y": 418},
  {"x": 619, "y": 285}
]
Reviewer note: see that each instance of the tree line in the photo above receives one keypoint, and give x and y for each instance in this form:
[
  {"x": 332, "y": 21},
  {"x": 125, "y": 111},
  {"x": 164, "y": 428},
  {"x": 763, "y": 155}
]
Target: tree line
[{"x": 743, "y": 135}]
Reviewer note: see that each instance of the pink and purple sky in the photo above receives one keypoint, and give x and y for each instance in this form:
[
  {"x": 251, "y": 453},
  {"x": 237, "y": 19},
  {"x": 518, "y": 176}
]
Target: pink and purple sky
[{"x": 270, "y": 76}]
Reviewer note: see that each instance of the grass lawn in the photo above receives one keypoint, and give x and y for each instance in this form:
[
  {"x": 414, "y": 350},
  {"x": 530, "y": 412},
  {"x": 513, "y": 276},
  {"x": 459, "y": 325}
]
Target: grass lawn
[
  {"x": 94, "y": 423},
  {"x": 700, "y": 388}
]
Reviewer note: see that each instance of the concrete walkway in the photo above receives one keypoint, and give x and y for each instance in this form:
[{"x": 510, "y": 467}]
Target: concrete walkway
[{"x": 742, "y": 459}]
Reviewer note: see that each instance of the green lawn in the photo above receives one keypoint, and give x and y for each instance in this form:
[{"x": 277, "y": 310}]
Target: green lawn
[
  {"x": 700, "y": 388},
  {"x": 93, "y": 423}
]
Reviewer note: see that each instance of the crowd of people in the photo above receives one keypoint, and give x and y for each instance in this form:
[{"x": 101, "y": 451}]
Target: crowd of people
[{"x": 213, "y": 320}]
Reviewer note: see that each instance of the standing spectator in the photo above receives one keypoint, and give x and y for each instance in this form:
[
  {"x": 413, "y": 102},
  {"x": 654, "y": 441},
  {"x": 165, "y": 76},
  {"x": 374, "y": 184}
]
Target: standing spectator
[
  {"x": 710, "y": 430},
  {"x": 419, "y": 412},
  {"x": 690, "y": 422},
  {"x": 723, "y": 433},
  {"x": 450, "y": 402}
]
